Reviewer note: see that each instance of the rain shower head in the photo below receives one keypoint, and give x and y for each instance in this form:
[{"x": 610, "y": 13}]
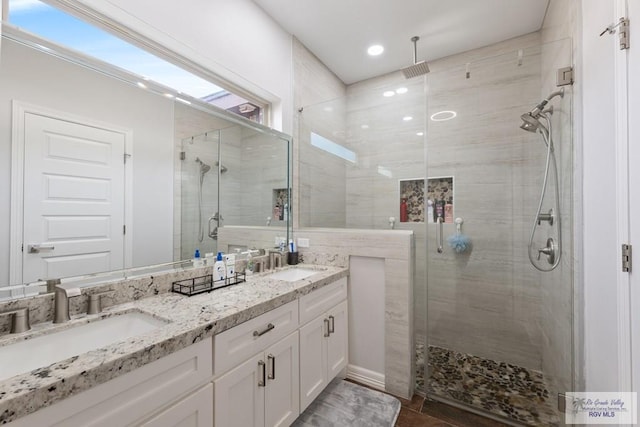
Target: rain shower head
[{"x": 418, "y": 68}]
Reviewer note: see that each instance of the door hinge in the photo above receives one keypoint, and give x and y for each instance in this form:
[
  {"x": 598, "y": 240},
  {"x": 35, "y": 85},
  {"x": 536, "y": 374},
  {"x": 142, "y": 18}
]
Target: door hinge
[
  {"x": 564, "y": 76},
  {"x": 624, "y": 33},
  {"x": 126, "y": 156},
  {"x": 124, "y": 229},
  {"x": 626, "y": 258}
]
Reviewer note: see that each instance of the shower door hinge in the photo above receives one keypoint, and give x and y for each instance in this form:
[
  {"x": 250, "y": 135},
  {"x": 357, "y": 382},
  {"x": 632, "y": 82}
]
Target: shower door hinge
[
  {"x": 626, "y": 258},
  {"x": 124, "y": 229},
  {"x": 565, "y": 76},
  {"x": 624, "y": 33}
]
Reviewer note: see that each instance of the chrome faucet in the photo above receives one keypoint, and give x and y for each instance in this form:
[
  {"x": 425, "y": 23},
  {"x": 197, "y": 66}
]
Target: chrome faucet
[
  {"x": 19, "y": 320},
  {"x": 275, "y": 258},
  {"x": 61, "y": 303}
]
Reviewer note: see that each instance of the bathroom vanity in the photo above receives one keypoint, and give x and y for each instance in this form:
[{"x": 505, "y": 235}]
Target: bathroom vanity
[{"x": 253, "y": 354}]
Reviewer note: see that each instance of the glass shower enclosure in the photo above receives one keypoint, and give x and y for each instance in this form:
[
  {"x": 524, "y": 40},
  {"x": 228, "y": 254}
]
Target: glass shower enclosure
[{"x": 444, "y": 155}]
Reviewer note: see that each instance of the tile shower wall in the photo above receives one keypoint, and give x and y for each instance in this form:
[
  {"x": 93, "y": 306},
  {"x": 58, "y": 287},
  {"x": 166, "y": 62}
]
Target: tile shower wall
[{"x": 486, "y": 302}]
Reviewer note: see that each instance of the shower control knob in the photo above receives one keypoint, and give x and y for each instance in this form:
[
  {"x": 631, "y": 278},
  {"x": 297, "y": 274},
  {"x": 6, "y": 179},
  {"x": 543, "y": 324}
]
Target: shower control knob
[{"x": 549, "y": 251}]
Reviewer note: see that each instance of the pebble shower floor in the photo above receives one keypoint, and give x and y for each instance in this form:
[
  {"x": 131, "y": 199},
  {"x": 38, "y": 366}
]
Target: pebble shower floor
[{"x": 502, "y": 389}]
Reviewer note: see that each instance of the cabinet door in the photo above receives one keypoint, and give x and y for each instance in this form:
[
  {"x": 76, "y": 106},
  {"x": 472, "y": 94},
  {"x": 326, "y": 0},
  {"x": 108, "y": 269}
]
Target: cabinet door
[
  {"x": 338, "y": 340},
  {"x": 239, "y": 399},
  {"x": 282, "y": 395},
  {"x": 313, "y": 360},
  {"x": 195, "y": 410}
]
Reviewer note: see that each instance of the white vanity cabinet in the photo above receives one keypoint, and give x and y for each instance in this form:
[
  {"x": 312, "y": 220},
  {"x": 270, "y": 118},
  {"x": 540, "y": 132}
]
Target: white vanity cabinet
[
  {"x": 323, "y": 339},
  {"x": 172, "y": 391},
  {"x": 262, "y": 390}
]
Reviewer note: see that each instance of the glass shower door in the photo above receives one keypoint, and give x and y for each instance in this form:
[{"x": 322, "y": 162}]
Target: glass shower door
[
  {"x": 199, "y": 194},
  {"x": 499, "y": 331}
]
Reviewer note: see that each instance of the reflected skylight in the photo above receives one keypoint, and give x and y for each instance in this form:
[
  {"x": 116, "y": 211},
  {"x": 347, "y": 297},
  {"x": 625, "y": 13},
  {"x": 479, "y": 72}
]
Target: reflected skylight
[{"x": 331, "y": 147}]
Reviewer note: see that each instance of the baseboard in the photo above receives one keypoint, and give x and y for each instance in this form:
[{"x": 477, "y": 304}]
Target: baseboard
[{"x": 366, "y": 377}]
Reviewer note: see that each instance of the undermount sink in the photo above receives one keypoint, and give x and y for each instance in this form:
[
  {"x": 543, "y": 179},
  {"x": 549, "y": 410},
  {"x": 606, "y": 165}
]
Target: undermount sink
[
  {"x": 25, "y": 356},
  {"x": 293, "y": 274}
]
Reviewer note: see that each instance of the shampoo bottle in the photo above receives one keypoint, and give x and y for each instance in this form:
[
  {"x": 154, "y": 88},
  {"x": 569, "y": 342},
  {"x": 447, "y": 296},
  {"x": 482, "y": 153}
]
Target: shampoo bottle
[
  {"x": 197, "y": 261},
  {"x": 230, "y": 265},
  {"x": 430, "y": 213},
  {"x": 219, "y": 269}
]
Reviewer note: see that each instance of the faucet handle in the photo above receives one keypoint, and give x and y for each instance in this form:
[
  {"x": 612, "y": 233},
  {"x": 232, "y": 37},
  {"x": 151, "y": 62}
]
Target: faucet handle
[
  {"x": 19, "y": 319},
  {"x": 95, "y": 302}
]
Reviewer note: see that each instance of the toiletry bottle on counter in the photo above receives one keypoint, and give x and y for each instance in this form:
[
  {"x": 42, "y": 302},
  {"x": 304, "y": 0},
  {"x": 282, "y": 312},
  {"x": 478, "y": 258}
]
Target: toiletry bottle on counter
[
  {"x": 209, "y": 259},
  {"x": 430, "y": 212},
  {"x": 230, "y": 265},
  {"x": 197, "y": 260},
  {"x": 219, "y": 269}
]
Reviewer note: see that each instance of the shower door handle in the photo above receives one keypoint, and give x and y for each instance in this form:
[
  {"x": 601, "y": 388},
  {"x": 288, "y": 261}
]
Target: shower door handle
[{"x": 440, "y": 235}]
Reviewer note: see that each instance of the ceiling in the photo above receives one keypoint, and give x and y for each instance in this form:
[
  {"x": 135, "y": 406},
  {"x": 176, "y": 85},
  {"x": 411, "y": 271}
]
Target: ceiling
[{"x": 339, "y": 32}]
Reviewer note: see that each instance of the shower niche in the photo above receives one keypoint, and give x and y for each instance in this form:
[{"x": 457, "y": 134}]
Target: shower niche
[{"x": 417, "y": 207}]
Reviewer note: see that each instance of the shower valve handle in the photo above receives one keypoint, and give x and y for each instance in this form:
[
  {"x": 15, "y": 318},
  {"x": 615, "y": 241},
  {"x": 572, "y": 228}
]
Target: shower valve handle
[{"x": 549, "y": 251}]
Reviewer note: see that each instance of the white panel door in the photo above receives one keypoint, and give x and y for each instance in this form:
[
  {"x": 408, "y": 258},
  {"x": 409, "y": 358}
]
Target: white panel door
[
  {"x": 282, "y": 399},
  {"x": 634, "y": 187},
  {"x": 73, "y": 198},
  {"x": 238, "y": 397},
  {"x": 195, "y": 410},
  {"x": 313, "y": 360},
  {"x": 337, "y": 341}
]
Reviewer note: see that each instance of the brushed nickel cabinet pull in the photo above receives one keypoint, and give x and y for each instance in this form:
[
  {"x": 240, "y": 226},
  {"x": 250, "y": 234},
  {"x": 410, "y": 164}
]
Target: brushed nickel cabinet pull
[
  {"x": 269, "y": 327},
  {"x": 272, "y": 368},
  {"x": 261, "y": 368},
  {"x": 332, "y": 325},
  {"x": 326, "y": 328}
]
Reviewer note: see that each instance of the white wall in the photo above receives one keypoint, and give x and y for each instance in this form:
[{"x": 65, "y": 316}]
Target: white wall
[
  {"x": 233, "y": 38},
  {"x": 78, "y": 91}
]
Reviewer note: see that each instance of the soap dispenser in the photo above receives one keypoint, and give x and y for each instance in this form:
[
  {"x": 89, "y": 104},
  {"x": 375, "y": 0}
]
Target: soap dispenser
[
  {"x": 197, "y": 260},
  {"x": 219, "y": 269}
]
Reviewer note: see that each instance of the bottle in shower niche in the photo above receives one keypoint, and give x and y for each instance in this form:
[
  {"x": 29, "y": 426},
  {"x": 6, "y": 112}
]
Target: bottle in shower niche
[
  {"x": 440, "y": 209},
  {"x": 276, "y": 212},
  {"x": 404, "y": 214},
  {"x": 430, "y": 212},
  {"x": 448, "y": 212}
]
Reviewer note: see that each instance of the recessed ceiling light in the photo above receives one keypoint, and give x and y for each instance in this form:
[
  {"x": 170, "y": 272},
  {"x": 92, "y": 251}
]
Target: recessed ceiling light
[
  {"x": 442, "y": 116},
  {"x": 328, "y": 109},
  {"x": 388, "y": 93},
  {"x": 402, "y": 90},
  {"x": 375, "y": 50},
  {"x": 407, "y": 118},
  {"x": 420, "y": 133},
  {"x": 365, "y": 126}
]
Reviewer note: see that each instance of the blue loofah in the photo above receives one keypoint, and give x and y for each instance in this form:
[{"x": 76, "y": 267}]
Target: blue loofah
[{"x": 459, "y": 243}]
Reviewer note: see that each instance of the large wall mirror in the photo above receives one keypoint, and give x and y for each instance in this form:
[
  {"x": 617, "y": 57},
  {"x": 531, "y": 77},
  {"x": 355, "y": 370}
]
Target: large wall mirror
[{"x": 100, "y": 172}]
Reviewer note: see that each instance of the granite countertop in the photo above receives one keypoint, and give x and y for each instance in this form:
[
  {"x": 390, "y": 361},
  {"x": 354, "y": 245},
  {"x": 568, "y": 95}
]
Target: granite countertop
[{"x": 190, "y": 320}]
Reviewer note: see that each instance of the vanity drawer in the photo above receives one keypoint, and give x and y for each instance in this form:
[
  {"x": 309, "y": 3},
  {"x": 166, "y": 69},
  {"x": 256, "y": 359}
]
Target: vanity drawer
[
  {"x": 237, "y": 344},
  {"x": 317, "y": 302}
]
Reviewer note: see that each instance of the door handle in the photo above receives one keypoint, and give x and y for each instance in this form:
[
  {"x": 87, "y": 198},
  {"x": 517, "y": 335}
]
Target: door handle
[
  {"x": 269, "y": 327},
  {"x": 272, "y": 368},
  {"x": 440, "y": 237},
  {"x": 36, "y": 249},
  {"x": 326, "y": 325},
  {"x": 332, "y": 325},
  {"x": 262, "y": 382}
]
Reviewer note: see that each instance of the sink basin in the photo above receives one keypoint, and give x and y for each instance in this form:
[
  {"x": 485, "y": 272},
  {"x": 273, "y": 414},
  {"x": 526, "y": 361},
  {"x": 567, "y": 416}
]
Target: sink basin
[
  {"x": 293, "y": 274},
  {"x": 25, "y": 356}
]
